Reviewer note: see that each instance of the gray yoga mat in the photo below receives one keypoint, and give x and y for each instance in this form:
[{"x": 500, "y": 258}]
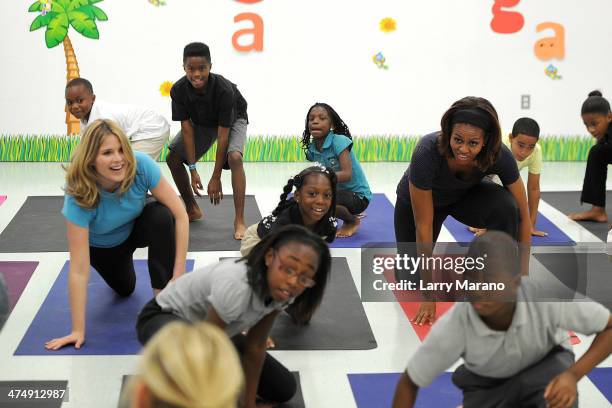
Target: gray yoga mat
[
  {"x": 569, "y": 202},
  {"x": 215, "y": 232},
  {"x": 39, "y": 226},
  {"x": 296, "y": 402},
  {"x": 340, "y": 323},
  {"x": 590, "y": 274}
]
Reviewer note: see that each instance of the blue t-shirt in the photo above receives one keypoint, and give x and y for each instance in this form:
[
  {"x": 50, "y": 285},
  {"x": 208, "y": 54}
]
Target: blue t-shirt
[
  {"x": 112, "y": 220},
  {"x": 330, "y": 156}
]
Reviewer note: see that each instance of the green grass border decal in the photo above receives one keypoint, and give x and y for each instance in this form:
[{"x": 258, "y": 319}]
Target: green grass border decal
[{"x": 390, "y": 148}]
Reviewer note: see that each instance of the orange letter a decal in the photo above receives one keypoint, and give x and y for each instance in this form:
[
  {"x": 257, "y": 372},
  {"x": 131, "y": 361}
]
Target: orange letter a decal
[{"x": 257, "y": 31}]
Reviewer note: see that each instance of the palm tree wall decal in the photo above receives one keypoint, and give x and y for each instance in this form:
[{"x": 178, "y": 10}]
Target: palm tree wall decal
[{"x": 58, "y": 16}]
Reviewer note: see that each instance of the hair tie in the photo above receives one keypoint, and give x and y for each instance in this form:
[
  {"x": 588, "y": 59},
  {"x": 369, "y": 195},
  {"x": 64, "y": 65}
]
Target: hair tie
[
  {"x": 297, "y": 181},
  {"x": 321, "y": 167}
]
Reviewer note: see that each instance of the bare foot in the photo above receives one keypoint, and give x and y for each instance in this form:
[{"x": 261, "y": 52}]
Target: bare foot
[
  {"x": 348, "y": 229},
  {"x": 596, "y": 214},
  {"x": 239, "y": 230},
  {"x": 194, "y": 213}
]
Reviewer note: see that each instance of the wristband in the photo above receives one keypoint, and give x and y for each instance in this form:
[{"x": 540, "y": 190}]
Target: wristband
[{"x": 191, "y": 166}]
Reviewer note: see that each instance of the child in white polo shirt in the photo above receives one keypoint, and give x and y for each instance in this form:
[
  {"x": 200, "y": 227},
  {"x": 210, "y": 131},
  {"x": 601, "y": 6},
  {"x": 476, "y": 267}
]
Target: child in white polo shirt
[
  {"x": 146, "y": 129},
  {"x": 516, "y": 350}
]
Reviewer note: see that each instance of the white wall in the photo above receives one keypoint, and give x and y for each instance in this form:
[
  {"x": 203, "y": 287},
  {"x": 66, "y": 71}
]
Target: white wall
[{"x": 318, "y": 50}]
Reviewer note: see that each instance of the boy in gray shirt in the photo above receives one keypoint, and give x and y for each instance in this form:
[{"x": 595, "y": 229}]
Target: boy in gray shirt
[{"x": 516, "y": 350}]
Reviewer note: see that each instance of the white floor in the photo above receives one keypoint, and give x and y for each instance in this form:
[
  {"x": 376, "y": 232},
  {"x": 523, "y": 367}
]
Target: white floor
[{"x": 95, "y": 381}]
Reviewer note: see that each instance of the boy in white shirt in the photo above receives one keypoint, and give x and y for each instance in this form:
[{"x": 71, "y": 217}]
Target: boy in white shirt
[{"x": 147, "y": 130}]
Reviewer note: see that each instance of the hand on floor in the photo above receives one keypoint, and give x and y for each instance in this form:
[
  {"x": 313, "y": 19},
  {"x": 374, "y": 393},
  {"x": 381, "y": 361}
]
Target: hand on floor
[{"x": 426, "y": 314}]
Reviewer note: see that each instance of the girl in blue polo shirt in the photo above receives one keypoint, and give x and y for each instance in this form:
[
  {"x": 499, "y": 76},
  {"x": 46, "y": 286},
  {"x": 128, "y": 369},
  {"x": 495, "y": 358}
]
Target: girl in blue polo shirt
[
  {"x": 107, "y": 218},
  {"x": 327, "y": 140}
]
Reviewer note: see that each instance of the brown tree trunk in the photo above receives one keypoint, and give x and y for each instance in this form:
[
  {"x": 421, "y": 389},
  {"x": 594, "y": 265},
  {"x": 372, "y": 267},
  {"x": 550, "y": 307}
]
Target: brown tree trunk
[{"x": 72, "y": 72}]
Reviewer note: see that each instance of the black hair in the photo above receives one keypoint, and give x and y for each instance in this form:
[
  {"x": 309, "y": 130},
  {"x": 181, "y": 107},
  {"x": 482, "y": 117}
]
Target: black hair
[
  {"x": 196, "y": 49},
  {"x": 526, "y": 126},
  {"x": 595, "y": 103},
  {"x": 298, "y": 181},
  {"x": 500, "y": 252},
  {"x": 492, "y": 136},
  {"x": 80, "y": 81},
  {"x": 337, "y": 124},
  {"x": 304, "y": 305}
]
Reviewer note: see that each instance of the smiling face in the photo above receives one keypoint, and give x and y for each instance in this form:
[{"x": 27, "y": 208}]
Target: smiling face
[
  {"x": 522, "y": 146},
  {"x": 319, "y": 123},
  {"x": 110, "y": 163},
  {"x": 79, "y": 101},
  {"x": 314, "y": 198},
  {"x": 466, "y": 142},
  {"x": 291, "y": 268},
  {"x": 597, "y": 123},
  {"x": 197, "y": 70}
]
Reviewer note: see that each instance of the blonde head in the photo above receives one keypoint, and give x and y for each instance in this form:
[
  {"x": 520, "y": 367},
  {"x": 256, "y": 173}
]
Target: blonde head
[
  {"x": 190, "y": 365},
  {"x": 81, "y": 175}
]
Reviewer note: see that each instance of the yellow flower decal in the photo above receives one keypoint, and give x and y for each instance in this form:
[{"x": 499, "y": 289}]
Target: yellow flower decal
[
  {"x": 164, "y": 88},
  {"x": 387, "y": 25}
]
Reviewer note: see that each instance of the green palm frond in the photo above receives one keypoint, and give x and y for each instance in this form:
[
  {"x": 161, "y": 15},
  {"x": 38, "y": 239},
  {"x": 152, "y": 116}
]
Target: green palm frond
[{"x": 80, "y": 14}]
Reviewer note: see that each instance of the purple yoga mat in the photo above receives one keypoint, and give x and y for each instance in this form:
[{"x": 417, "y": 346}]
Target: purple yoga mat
[{"x": 16, "y": 275}]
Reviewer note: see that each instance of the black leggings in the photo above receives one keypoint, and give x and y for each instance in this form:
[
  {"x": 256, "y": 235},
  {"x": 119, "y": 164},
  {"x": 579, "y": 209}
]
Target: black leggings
[
  {"x": 594, "y": 185},
  {"x": 276, "y": 383},
  {"x": 486, "y": 205},
  {"x": 154, "y": 228}
]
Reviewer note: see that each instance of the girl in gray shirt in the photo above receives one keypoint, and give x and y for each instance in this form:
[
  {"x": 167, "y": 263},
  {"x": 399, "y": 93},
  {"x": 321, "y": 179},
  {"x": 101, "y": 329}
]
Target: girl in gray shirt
[{"x": 288, "y": 267}]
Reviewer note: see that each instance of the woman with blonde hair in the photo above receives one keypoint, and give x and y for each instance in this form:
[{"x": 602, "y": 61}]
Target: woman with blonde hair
[
  {"x": 107, "y": 218},
  {"x": 186, "y": 365}
]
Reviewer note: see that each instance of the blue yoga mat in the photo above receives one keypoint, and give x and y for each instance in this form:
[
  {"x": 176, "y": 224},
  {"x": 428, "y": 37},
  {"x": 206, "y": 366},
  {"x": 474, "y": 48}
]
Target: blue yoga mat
[
  {"x": 376, "y": 227},
  {"x": 111, "y": 319},
  {"x": 602, "y": 378},
  {"x": 555, "y": 237},
  {"x": 377, "y": 390}
]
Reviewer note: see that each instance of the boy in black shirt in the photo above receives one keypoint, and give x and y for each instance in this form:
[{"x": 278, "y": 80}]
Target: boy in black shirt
[{"x": 209, "y": 108}]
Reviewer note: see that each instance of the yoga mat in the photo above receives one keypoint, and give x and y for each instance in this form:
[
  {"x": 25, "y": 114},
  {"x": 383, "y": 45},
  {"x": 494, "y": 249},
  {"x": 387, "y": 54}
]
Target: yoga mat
[
  {"x": 39, "y": 226},
  {"x": 555, "y": 236},
  {"x": 569, "y": 202},
  {"x": 602, "y": 378},
  {"x": 296, "y": 402},
  {"x": 340, "y": 323},
  {"x": 111, "y": 319},
  {"x": 377, "y": 227},
  {"x": 2, "y": 199},
  {"x": 50, "y": 393},
  {"x": 587, "y": 274},
  {"x": 215, "y": 232},
  {"x": 377, "y": 390},
  {"x": 16, "y": 276}
]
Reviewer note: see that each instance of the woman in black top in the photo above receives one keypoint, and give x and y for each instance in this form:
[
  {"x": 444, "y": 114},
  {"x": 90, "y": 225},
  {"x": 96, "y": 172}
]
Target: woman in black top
[{"x": 445, "y": 177}]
